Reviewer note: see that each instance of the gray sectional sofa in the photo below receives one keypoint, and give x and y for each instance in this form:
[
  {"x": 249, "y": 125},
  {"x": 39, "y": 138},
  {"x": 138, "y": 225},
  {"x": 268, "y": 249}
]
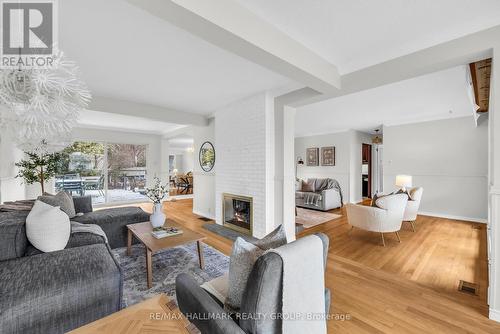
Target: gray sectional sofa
[{"x": 59, "y": 291}]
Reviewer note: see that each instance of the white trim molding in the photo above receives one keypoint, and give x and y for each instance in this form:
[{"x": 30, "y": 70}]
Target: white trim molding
[
  {"x": 447, "y": 216},
  {"x": 202, "y": 214},
  {"x": 494, "y": 315}
]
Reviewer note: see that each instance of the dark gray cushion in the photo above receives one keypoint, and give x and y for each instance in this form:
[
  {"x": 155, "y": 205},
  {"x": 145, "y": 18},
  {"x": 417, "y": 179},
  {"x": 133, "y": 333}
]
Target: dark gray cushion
[
  {"x": 63, "y": 200},
  {"x": 263, "y": 295},
  {"x": 78, "y": 239},
  {"x": 113, "y": 222},
  {"x": 58, "y": 291},
  {"x": 201, "y": 309},
  {"x": 83, "y": 204},
  {"x": 13, "y": 241}
]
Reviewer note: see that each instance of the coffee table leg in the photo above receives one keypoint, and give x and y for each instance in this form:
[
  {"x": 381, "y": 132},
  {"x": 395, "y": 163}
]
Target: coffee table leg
[
  {"x": 129, "y": 242},
  {"x": 200, "y": 254},
  {"x": 149, "y": 269}
]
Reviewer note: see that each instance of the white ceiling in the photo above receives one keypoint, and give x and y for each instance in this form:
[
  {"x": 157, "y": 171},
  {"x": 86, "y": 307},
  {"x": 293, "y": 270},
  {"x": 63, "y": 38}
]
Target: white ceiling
[
  {"x": 181, "y": 142},
  {"x": 424, "y": 98},
  {"x": 104, "y": 120},
  {"x": 126, "y": 53},
  {"x": 354, "y": 34}
]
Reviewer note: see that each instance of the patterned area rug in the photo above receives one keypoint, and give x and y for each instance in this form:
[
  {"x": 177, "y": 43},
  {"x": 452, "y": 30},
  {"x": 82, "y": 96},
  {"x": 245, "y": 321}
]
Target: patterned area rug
[
  {"x": 167, "y": 265},
  {"x": 309, "y": 218}
]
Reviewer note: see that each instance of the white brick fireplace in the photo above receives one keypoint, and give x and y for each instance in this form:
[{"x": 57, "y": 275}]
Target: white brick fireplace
[{"x": 244, "y": 137}]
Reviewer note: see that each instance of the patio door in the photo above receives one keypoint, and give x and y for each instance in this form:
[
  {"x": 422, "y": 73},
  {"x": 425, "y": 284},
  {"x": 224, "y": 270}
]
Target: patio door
[
  {"x": 109, "y": 172},
  {"x": 126, "y": 172}
]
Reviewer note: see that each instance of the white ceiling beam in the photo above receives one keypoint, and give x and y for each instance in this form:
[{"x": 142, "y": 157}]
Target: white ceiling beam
[
  {"x": 457, "y": 52},
  {"x": 232, "y": 27},
  {"x": 129, "y": 108},
  {"x": 188, "y": 130}
]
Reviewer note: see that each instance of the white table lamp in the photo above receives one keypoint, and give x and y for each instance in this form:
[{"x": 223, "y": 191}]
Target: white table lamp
[{"x": 403, "y": 181}]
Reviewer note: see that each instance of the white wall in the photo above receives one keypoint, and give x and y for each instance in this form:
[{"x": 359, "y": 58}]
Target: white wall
[
  {"x": 449, "y": 158},
  {"x": 187, "y": 162},
  {"x": 347, "y": 169},
  {"x": 11, "y": 188},
  {"x": 204, "y": 182},
  {"x": 179, "y": 163},
  {"x": 244, "y": 136}
]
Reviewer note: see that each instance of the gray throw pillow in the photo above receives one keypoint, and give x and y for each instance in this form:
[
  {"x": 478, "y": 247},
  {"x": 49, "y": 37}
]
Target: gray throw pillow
[
  {"x": 243, "y": 257},
  {"x": 63, "y": 200},
  {"x": 275, "y": 239}
]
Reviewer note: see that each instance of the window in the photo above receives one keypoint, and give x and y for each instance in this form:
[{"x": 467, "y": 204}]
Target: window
[{"x": 108, "y": 172}]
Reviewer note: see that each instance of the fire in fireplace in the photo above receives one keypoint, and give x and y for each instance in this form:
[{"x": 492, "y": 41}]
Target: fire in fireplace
[{"x": 237, "y": 212}]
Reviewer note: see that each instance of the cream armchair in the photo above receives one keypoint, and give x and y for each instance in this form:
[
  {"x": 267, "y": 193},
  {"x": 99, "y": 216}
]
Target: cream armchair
[
  {"x": 387, "y": 217},
  {"x": 412, "y": 206}
]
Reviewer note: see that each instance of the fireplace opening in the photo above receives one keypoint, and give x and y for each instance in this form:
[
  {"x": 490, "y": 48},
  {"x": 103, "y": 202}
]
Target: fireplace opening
[{"x": 237, "y": 213}]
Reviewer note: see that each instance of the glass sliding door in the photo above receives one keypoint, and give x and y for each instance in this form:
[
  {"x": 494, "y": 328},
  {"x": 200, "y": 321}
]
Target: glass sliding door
[
  {"x": 81, "y": 171},
  {"x": 126, "y": 172},
  {"x": 108, "y": 172}
]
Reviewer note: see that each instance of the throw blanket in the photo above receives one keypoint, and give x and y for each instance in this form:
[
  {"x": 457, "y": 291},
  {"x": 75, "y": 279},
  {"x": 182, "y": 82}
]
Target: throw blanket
[
  {"x": 303, "y": 286},
  {"x": 312, "y": 198},
  {"x": 88, "y": 228},
  {"x": 323, "y": 184},
  {"x": 24, "y": 205}
]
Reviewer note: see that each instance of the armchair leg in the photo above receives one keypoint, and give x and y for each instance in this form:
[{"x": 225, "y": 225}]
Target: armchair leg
[
  {"x": 413, "y": 225},
  {"x": 397, "y": 235},
  {"x": 383, "y": 241}
]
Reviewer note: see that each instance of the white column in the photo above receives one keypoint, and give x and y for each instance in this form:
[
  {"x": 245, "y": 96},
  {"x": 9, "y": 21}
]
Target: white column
[
  {"x": 283, "y": 192},
  {"x": 494, "y": 203},
  {"x": 289, "y": 171},
  {"x": 164, "y": 159}
]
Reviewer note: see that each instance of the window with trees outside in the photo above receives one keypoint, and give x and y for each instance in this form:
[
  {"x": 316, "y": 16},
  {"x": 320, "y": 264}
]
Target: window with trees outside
[{"x": 108, "y": 172}]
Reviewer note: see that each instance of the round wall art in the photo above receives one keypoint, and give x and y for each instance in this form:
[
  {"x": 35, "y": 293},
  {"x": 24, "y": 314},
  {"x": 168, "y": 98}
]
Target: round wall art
[{"x": 207, "y": 156}]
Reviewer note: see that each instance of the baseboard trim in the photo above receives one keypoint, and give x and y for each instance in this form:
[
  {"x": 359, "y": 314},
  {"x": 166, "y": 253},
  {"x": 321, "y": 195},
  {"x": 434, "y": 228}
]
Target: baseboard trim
[
  {"x": 447, "y": 216},
  {"x": 206, "y": 215},
  {"x": 494, "y": 315}
]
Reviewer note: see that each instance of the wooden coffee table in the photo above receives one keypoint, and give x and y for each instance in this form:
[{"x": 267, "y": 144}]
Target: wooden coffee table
[
  {"x": 155, "y": 315},
  {"x": 142, "y": 231}
]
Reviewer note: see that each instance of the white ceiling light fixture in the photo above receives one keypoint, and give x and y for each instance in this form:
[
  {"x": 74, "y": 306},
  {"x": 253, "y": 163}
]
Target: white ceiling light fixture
[{"x": 39, "y": 107}]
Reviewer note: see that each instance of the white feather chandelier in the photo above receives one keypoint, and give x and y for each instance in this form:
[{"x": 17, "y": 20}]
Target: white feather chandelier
[{"x": 39, "y": 107}]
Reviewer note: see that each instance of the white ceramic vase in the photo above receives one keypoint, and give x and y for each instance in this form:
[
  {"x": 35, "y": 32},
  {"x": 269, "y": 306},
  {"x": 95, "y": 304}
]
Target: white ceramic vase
[{"x": 157, "y": 219}]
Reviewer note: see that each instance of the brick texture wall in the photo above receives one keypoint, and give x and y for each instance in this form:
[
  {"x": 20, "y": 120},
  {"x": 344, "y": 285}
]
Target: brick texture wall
[{"x": 243, "y": 136}]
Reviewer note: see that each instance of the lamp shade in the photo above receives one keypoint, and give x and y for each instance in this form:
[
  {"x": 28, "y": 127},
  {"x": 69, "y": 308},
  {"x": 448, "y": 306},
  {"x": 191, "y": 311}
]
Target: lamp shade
[{"x": 403, "y": 181}]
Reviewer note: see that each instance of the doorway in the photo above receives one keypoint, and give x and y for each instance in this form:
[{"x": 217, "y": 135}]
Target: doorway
[{"x": 366, "y": 170}]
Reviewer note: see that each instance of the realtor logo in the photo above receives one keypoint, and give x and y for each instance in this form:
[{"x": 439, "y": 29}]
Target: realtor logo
[{"x": 28, "y": 33}]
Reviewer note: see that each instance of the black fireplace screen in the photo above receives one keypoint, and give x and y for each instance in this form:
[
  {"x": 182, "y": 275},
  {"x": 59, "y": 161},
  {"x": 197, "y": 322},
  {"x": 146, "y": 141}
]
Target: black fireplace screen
[{"x": 237, "y": 212}]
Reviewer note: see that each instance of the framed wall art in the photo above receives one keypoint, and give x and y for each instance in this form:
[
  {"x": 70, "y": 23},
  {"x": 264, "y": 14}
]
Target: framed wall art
[
  {"x": 328, "y": 156},
  {"x": 312, "y": 156}
]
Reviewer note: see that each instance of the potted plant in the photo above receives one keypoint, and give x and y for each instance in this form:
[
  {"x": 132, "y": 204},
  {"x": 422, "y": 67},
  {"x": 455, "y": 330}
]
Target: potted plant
[
  {"x": 156, "y": 194},
  {"x": 38, "y": 167}
]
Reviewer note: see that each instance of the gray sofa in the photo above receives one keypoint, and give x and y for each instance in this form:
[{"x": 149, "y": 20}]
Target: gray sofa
[
  {"x": 328, "y": 199},
  {"x": 59, "y": 291},
  {"x": 263, "y": 295},
  {"x": 113, "y": 221}
]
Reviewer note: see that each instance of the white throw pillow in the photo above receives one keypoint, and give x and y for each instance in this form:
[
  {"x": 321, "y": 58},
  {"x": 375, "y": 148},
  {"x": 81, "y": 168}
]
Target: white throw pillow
[{"x": 47, "y": 227}]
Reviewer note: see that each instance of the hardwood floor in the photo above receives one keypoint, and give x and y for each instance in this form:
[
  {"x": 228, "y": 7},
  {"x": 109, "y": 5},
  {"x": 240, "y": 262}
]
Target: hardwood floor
[{"x": 407, "y": 287}]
